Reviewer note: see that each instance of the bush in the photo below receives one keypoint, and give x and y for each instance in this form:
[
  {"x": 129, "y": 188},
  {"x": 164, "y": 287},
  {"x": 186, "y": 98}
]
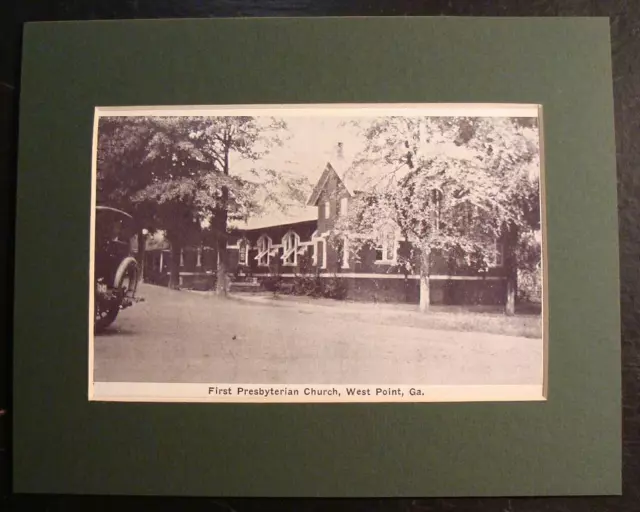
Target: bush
[
  {"x": 307, "y": 285},
  {"x": 335, "y": 288},
  {"x": 312, "y": 285},
  {"x": 272, "y": 283},
  {"x": 530, "y": 285}
]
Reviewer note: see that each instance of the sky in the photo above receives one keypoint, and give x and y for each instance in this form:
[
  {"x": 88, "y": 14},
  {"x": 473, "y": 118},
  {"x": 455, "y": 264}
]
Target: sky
[{"x": 311, "y": 143}]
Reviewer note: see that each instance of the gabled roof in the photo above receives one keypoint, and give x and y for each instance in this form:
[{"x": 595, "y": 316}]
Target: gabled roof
[
  {"x": 322, "y": 182},
  {"x": 292, "y": 217},
  {"x": 355, "y": 180},
  {"x": 319, "y": 187}
]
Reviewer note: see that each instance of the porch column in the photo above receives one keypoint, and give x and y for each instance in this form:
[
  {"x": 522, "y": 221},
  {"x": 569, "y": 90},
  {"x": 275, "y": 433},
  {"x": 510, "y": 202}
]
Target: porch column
[
  {"x": 161, "y": 260},
  {"x": 345, "y": 253},
  {"x": 324, "y": 253},
  {"x": 181, "y": 258},
  {"x": 199, "y": 260}
]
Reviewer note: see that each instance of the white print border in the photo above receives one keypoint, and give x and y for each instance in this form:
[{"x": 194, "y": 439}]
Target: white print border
[
  {"x": 332, "y": 109},
  {"x": 169, "y": 392},
  {"x": 309, "y": 393},
  {"x": 92, "y": 248}
]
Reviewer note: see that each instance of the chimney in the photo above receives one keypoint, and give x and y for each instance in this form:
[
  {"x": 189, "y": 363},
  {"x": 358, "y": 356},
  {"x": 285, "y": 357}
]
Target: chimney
[{"x": 339, "y": 151}]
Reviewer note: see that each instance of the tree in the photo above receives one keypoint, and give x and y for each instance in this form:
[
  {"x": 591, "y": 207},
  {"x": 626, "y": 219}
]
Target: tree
[
  {"x": 181, "y": 175},
  {"x": 509, "y": 149},
  {"x": 122, "y": 147},
  {"x": 149, "y": 167},
  {"x": 233, "y": 194},
  {"x": 174, "y": 172},
  {"x": 449, "y": 185}
]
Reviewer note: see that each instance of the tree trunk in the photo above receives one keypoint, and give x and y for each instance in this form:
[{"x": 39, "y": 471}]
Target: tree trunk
[
  {"x": 407, "y": 288},
  {"x": 142, "y": 250},
  {"x": 223, "y": 265},
  {"x": 174, "y": 276},
  {"x": 510, "y": 308},
  {"x": 425, "y": 298},
  {"x": 221, "y": 235},
  {"x": 213, "y": 255},
  {"x": 511, "y": 270}
]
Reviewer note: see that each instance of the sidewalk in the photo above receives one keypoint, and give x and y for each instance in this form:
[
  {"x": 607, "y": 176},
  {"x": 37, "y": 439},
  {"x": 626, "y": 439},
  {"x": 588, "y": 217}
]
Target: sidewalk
[
  {"x": 282, "y": 299},
  {"x": 378, "y": 307},
  {"x": 488, "y": 319}
]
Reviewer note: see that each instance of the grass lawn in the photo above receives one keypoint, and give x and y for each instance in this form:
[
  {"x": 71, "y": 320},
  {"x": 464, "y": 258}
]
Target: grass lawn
[{"x": 527, "y": 322}]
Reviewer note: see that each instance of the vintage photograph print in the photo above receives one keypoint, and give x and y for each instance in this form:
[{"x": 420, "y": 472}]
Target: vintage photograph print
[{"x": 318, "y": 253}]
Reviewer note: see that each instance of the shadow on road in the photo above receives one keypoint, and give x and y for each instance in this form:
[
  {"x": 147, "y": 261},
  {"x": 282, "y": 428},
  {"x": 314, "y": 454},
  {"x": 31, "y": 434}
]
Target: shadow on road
[{"x": 116, "y": 332}]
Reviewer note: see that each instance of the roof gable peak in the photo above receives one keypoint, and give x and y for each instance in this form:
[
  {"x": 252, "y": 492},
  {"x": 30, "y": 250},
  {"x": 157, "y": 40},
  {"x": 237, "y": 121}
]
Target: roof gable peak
[{"x": 329, "y": 169}]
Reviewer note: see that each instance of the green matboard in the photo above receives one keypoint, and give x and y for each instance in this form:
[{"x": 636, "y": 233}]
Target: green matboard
[{"x": 568, "y": 445}]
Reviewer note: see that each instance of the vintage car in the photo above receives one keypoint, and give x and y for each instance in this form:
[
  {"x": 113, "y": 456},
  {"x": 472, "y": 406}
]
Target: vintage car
[{"x": 116, "y": 270}]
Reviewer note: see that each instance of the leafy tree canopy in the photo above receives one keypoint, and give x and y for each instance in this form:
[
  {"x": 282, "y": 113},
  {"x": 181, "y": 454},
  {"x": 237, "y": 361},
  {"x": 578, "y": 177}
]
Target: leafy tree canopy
[{"x": 446, "y": 183}]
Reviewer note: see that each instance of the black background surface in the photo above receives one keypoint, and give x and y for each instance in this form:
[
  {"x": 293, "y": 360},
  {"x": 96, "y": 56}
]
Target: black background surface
[{"x": 625, "y": 31}]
